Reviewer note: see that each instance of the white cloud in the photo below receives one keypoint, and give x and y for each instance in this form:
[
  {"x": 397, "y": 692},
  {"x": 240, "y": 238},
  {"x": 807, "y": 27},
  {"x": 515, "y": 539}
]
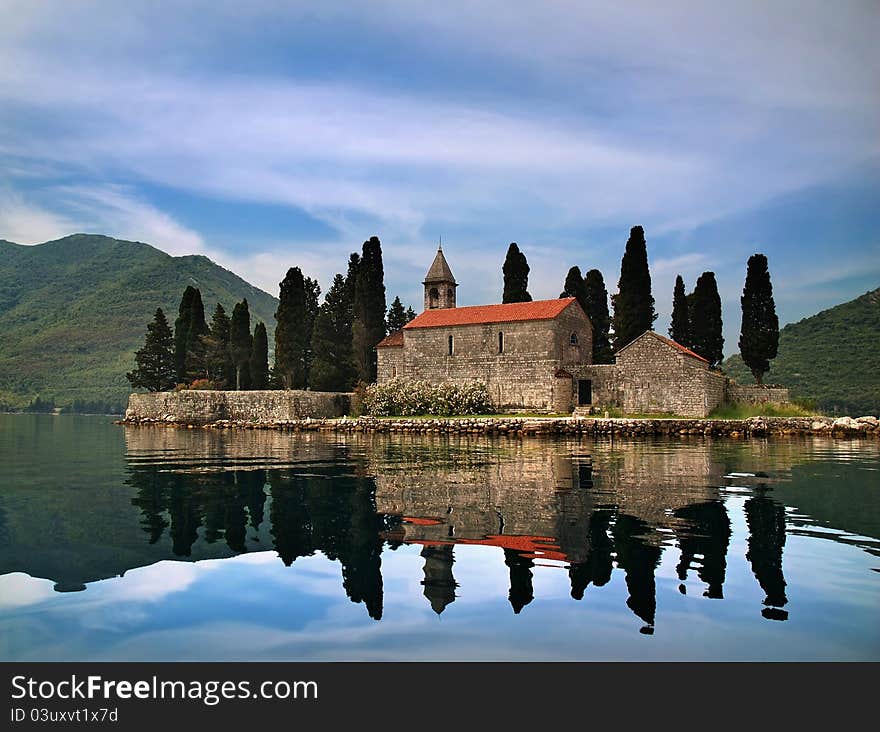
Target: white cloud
[{"x": 23, "y": 222}]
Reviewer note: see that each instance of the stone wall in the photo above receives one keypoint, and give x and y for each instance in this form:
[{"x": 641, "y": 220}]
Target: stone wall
[
  {"x": 204, "y": 407},
  {"x": 522, "y": 376},
  {"x": 754, "y": 394},
  {"x": 389, "y": 363}
]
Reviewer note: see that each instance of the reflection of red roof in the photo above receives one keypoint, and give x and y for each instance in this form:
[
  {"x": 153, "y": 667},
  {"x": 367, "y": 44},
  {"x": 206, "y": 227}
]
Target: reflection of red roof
[
  {"x": 477, "y": 314},
  {"x": 391, "y": 341},
  {"x": 532, "y": 547},
  {"x": 668, "y": 342}
]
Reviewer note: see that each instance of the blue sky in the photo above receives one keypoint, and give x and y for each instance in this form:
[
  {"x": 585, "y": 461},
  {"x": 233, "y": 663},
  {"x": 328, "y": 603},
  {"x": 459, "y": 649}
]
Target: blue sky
[{"x": 282, "y": 134}]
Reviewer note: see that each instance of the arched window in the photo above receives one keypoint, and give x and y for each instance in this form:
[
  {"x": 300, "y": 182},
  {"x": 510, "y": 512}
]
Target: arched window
[
  {"x": 450, "y": 344},
  {"x": 394, "y": 372},
  {"x": 573, "y": 339},
  {"x": 433, "y": 298},
  {"x": 500, "y": 342},
  {"x": 449, "y": 295}
]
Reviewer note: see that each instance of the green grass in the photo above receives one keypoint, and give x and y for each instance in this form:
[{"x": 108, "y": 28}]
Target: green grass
[{"x": 744, "y": 411}]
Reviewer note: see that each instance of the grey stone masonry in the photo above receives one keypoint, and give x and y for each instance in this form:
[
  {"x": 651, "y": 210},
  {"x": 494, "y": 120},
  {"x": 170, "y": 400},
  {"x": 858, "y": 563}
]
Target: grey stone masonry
[{"x": 204, "y": 407}]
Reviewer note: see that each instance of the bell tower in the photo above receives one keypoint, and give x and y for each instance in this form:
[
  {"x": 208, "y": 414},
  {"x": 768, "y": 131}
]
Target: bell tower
[{"x": 439, "y": 284}]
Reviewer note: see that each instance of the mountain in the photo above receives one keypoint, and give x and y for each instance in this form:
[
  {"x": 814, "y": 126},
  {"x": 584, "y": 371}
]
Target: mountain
[
  {"x": 830, "y": 357},
  {"x": 73, "y": 311}
]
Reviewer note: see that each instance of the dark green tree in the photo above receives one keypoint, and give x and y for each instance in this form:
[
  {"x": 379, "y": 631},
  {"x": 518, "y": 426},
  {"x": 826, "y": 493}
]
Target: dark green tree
[
  {"x": 516, "y": 276},
  {"x": 410, "y": 314},
  {"x": 397, "y": 316},
  {"x": 194, "y": 361},
  {"x": 181, "y": 332},
  {"x": 633, "y": 303},
  {"x": 155, "y": 361},
  {"x": 597, "y": 309},
  {"x": 293, "y": 330},
  {"x": 679, "y": 329},
  {"x": 218, "y": 358},
  {"x": 575, "y": 286},
  {"x": 759, "y": 333},
  {"x": 259, "y": 360},
  {"x": 241, "y": 343},
  {"x": 333, "y": 365},
  {"x": 369, "y": 309},
  {"x": 704, "y": 314}
]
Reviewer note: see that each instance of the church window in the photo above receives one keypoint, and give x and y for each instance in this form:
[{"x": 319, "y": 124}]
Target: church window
[
  {"x": 450, "y": 346},
  {"x": 433, "y": 298},
  {"x": 500, "y": 342},
  {"x": 573, "y": 339}
]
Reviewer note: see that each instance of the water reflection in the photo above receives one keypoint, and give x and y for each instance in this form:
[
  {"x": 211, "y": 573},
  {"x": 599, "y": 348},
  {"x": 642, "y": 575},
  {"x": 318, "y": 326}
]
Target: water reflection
[{"x": 536, "y": 506}]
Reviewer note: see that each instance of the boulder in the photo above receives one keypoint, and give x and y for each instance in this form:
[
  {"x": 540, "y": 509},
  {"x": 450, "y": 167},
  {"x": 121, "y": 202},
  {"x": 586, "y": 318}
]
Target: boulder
[{"x": 845, "y": 423}]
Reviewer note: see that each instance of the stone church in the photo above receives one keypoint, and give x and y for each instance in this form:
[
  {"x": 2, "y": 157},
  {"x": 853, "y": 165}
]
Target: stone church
[{"x": 537, "y": 356}]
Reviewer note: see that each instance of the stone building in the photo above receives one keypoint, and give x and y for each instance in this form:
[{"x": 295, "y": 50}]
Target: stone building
[{"x": 537, "y": 356}]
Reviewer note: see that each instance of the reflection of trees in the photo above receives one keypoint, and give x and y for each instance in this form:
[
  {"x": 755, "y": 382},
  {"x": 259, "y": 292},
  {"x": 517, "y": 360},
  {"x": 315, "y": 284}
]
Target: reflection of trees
[
  {"x": 596, "y": 569},
  {"x": 638, "y": 558},
  {"x": 766, "y": 521},
  {"x": 707, "y": 532},
  {"x": 521, "y": 591},
  {"x": 337, "y": 517},
  {"x": 439, "y": 583}
]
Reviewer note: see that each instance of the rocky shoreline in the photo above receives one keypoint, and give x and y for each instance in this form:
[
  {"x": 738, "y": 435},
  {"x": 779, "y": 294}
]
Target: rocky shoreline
[{"x": 841, "y": 427}]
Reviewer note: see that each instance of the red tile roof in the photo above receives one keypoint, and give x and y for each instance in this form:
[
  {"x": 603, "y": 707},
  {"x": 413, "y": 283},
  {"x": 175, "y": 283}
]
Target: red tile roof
[
  {"x": 394, "y": 340},
  {"x": 676, "y": 344},
  {"x": 479, "y": 314}
]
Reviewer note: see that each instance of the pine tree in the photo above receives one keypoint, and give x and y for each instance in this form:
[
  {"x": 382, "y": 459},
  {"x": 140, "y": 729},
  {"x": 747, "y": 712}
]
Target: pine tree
[
  {"x": 704, "y": 314},
  {"x": 292, "y": 331},
  {"x": 759, "y": 333},
  {"x": 195, "y": 349},
  {"x": 218, "y": 358},
  {"x": 397, "y": 316},
  {"x": 181, "y": 332},
  {"x": 516, "y": 276},
  {"x": 369, "y": 309},
  {"x": 633, "y": 303},
  {"x": 259, "y": 360},
  {"x": 241, "y": 343},
  {"x": 313, "y": 293},
  {"x": 597, "y": 310},
  {"x": 410, "y": 314},
  {"x": 155, "y": 361},
  {"x": 679, "y": 328},
  {"x": 575, "y": 286}
]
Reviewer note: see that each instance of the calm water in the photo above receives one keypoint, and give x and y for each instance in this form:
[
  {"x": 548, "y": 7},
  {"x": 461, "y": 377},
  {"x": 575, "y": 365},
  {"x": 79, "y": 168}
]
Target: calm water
[{"x": 155, "y": 544}]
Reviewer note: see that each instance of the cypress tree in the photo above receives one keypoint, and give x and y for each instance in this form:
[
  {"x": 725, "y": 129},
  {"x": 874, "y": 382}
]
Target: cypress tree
[
  {"x": 516, "y": 276},
  {"x": 369, "y": 309},
  {"x": 705, "y": 320},
  {"x": 241, "y": 343},
  {"x": 194, "y": 361},
  {"x": 259, "y": 360},
  {"x": 679, "y": 328},
  {"x": 313, "y": 293},
  {"x": 397, "y": 317},
  {"x": 597, "y": 309},
  {"x": 217, "y": 355},
  {"x": 333, "y": 366},
  {"x": 292, "y": 336},
  {"x": 575, "y": 286},
  {"x": 410, "y": 314},
  {"x": 181, "y": 331},
  {"x": 155, "y": 361},
  {"x": 633, "y": 303},
  {"x": 759, "y": 332}
]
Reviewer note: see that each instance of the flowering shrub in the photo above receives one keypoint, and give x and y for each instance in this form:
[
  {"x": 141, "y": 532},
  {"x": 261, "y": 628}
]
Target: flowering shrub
[{"x": 400, "y": 398}]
